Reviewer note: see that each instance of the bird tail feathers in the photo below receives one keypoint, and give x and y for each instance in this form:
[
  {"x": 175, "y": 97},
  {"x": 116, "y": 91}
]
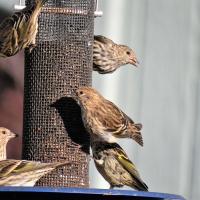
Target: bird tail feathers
[
  {"x": 140, "y": 185},
  {"x": 135, "y": 133}
]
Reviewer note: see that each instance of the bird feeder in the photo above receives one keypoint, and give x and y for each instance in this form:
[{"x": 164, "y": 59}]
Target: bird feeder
[{"x": 60, "y": 63}]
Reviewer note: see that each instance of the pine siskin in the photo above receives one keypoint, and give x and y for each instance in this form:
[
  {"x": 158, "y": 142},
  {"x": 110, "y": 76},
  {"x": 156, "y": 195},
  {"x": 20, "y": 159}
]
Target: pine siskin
[
  {"x": 23, "y": 172},
  {"x": 114, "y": 165},
  {"x": 19, "y": 31},
  {"x": 104, "y": 119},
  {"x": 5, "y": 136},
  {"x": 108, "y": 56}
]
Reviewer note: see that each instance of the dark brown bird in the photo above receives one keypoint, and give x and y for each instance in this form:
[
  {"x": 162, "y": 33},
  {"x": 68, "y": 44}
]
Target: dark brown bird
[
  {"x": 109, "y": 56},
  {"x": 19, "y": 31},
  {"x": 104, "y": 119},
  {"x": 114, "y": 165}
]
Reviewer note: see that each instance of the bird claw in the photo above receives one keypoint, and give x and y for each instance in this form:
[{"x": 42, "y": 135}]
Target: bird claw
[{"x": 31, "y": 47}]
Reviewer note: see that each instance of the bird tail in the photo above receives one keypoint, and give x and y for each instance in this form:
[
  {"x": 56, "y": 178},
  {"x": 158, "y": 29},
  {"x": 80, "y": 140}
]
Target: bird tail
[
  {"x": 43, "y": 169},
  {"x": 38, "y": 165},
  {"x": 140, "y": 185},
  {"x": 135, "y": 132}
]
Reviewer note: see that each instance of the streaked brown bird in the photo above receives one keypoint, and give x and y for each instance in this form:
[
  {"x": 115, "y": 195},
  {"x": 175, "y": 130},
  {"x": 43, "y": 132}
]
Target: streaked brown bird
[
  {"x": 23, "y": 172},
  {"x": 19, "y": 30},
  {"x": 5, "y": 136},
  {"x": 114, "y": 165},
  {"x": 20, "y": 172},
  {"x": 104, "y": 119},
  {"x": 109, "y": 56}
]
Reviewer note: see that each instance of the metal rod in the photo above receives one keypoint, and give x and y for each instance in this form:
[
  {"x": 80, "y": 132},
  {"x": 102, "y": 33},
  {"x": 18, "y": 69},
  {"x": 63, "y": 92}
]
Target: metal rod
[
  {"x": 19, "y": 6},
  {"x": 97, "y": 12},
  {"x": 64, "y": 11}
]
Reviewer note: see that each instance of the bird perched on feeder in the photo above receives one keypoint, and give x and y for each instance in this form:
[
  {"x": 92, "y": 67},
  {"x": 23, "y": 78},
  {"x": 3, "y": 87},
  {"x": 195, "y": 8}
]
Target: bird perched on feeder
[
  {"x": 104, "y": 119},
  {"x": 24, "y": 172},
  {"x": 114, "y": 165},
  {"x": 19, "y": 30},
  {"x": 5, "y": 136},
  {"x": 20, "y": 172},
  {"x": 109, "y": 56}
]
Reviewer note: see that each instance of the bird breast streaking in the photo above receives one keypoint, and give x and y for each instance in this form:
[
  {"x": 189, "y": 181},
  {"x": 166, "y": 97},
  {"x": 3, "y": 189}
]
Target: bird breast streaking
[{"x": 109, "y": 56}]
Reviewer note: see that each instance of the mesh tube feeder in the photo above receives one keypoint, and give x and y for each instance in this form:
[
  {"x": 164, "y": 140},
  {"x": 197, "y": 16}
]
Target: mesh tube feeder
[{"x": 60, "y": 63}]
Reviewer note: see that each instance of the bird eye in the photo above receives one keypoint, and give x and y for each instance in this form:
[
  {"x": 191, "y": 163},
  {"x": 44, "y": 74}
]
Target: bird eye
[
  {"x": 128, "y": 52},
  {"x": 81, "y": 92},
  {"x": 4, "y": 132}
]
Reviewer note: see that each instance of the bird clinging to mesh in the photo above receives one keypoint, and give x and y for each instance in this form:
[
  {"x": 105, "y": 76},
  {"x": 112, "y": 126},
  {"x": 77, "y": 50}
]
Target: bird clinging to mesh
[
  {"x": 104, "y": 119},
  {"x": 24, "y": 172},
  {"x": 19, "y": 30},
  {"x": 114, "y": 165},
  {"x": 5, "y": 136},
  {"x": 109, "y": 56}
]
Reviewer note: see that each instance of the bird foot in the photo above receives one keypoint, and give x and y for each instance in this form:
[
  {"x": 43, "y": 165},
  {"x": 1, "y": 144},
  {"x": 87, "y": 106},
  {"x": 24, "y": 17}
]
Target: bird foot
[{"x": 31, "y": 47}]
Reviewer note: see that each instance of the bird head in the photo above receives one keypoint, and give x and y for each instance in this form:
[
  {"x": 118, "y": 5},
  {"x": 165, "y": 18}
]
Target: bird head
[
  {"x": 87, "y": 96},
  {"x": 6, "y": 134},
  {"x": 128, "y": 55}
]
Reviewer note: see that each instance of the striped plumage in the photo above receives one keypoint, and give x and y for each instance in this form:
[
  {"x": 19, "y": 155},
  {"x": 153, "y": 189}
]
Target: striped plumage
[
  {"x": 20, "y": 172},
  {"x": 104, "y": 119},
  {"x": 114, "y": 165},
  {"x": 23, "y": 172},
  {"x": 109, "y": 56},
  {"x": 5, "y": 136},
  {"x": 19, "y": 30}
]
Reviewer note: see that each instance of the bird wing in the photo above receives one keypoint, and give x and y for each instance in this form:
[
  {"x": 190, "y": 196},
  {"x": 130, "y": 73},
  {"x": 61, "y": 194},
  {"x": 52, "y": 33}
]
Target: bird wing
[
  {"x": 7, "y": 166},
  {"x": 26, "y": 166},
  {"x": 126, "y": 163},
  {"x": 131, "y": 168},
  {"x": 110, "y": 118},
  {"x": 11, "y": 32},
  {"x": 138, "y": 125},
  {"x": 18, "y": 21},
  {"x": 103, "y": 39},
  {"x": 5, "y": 28}
]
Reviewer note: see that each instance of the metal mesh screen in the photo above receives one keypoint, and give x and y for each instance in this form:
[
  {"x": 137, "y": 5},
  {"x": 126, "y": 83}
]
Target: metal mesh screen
[{"x": 61, "y": 62}]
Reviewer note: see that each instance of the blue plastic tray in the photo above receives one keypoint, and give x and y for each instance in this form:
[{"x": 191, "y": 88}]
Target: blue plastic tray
[{"x": 50, "y": 193}]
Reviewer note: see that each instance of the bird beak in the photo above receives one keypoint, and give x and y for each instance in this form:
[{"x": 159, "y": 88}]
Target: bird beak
[
  {"x": 14, "y": 135},
  {"x": 134, "y": 62}
]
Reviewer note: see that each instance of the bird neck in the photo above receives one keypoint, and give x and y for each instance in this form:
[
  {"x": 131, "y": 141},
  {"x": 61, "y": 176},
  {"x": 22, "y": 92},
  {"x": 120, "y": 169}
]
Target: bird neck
[{"x": 3, "y": 152}]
